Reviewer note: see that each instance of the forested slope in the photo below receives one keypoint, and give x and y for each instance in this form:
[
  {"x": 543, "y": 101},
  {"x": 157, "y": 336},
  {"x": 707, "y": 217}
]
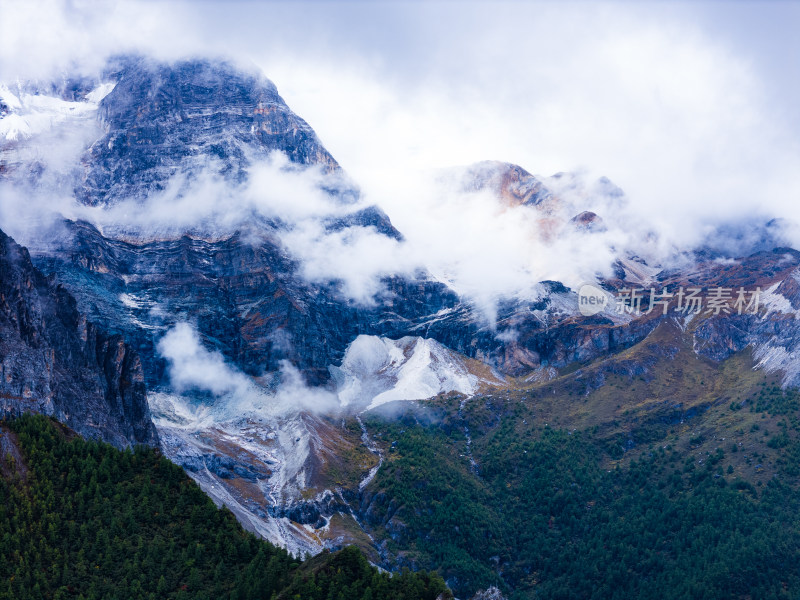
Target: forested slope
[{"x": 83, "y": 520}]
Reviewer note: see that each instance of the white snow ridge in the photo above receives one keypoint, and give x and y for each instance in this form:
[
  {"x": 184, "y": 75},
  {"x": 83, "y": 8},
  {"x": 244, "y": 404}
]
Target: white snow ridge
[
  {"x": 378, "y": 370},
  {"x": 32, "y": 114}
]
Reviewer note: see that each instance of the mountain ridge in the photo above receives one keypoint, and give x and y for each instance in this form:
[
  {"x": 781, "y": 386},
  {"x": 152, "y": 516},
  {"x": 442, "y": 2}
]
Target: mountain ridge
[{"x": 415, "y": 373}]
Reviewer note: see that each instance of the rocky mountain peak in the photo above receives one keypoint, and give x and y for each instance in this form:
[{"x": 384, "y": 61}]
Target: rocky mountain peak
[
  {"x": 511, "y": 183},
  {"x": 588, "y": 221},
  {"x": 163, "y": 120}
]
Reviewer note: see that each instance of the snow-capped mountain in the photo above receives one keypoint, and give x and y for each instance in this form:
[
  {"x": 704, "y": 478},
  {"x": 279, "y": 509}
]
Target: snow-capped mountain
[{"x": 186, "y": 197}]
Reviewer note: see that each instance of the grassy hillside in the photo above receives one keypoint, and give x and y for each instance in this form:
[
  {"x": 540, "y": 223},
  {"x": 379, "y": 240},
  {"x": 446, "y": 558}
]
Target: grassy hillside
[
  {"x": 83, "y": 520},
  {"x": 653, "y": 474}
]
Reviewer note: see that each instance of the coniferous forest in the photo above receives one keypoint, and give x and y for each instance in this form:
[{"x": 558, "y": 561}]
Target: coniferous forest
[
  {"x": 547, "y": 516},
  {"x": 81, "y": 519}
]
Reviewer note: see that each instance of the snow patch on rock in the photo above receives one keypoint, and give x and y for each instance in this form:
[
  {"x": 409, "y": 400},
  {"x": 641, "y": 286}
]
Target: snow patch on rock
[
  {"x": 31, "y": 114},
  {"x": 377, "y": 370}
]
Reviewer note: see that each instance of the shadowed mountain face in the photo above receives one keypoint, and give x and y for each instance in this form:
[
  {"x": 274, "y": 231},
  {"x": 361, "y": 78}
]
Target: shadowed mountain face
[
  {"x": 245, "y": 297},
  {"x": 54, "y": 361}
]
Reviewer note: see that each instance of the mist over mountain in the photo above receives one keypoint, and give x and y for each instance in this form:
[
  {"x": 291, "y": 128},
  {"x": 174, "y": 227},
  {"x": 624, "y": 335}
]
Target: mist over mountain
[{"x": 201, "y": 274}]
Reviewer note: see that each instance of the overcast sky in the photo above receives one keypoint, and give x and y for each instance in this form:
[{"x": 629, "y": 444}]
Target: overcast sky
[{"x": 690, "y": 107}]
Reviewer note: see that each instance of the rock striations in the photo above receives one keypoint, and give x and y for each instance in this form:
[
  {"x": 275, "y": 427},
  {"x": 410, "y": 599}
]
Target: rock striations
[{"x": 54, "y": 361}]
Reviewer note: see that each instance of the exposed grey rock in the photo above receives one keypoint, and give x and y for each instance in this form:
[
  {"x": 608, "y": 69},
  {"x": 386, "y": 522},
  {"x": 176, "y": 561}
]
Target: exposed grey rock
[
  {"x": 162, "y": 119},
  {"x": 221, "y": 466},
  {"x": 489, "y": 594},
  {"x": 312, "y": 512},
  {"x": 54, "y": 361}
]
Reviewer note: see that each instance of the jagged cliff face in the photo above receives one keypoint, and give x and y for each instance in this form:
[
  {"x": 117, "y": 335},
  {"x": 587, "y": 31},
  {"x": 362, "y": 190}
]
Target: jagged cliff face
[
  {"x": 160, "y": 124},
  {"x": 167, "y": 120},
  {"x": 56, "y": 362},
  {"x": 246, "y": 298},
  {"x": 249, "y": 301}
]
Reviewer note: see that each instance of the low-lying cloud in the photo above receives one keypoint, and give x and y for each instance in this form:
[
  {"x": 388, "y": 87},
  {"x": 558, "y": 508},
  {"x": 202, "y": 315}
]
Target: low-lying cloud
[{"x": 193, "y": 368}]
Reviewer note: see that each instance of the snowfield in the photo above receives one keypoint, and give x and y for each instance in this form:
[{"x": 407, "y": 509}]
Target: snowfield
[
  {"x": 379, "y": 370},
  {"x": 271, "y": 442},
  {"x": 32, "y": 114}
]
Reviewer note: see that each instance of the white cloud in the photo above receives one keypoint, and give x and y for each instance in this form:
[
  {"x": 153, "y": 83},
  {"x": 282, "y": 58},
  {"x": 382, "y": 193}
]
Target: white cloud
[
  {"x": 47, "y": 39},
  {"x": 680, "y": 122},
  {"x": 679, "y": 117},
  {"x": 193, "y": 368},
  {"x": 358, "y": 256}
]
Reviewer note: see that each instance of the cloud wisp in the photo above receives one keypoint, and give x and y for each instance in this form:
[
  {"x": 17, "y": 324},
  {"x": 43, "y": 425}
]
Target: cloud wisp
[
  {"x": 677, "y": 115},
  {"x": 234, "y": 395}
]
